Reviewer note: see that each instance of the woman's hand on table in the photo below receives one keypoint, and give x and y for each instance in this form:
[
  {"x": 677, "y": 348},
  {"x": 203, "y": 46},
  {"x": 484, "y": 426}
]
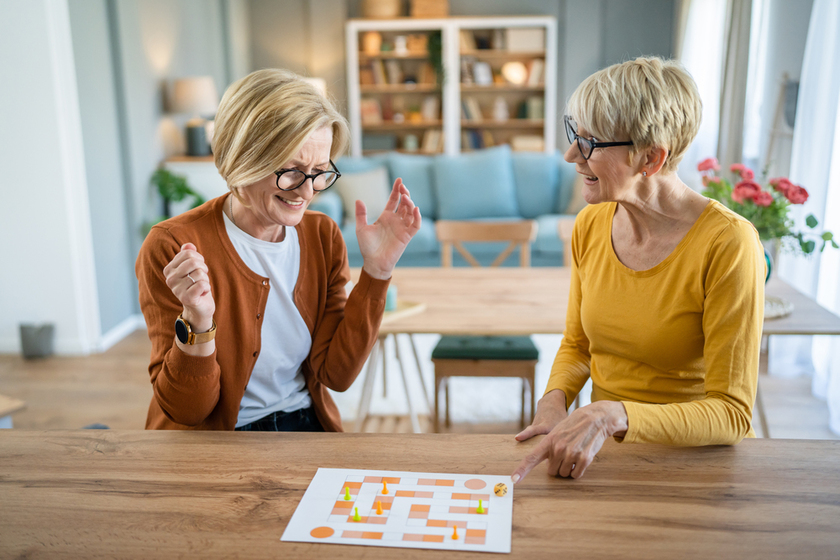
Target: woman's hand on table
[
  {"x": 382, "y": 243},
  {"x": 551, "y": 410},
  {"x": 573, "y": 442}
]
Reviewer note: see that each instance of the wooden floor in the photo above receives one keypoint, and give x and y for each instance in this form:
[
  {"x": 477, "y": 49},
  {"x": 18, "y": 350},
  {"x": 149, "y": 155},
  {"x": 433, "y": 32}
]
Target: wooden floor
[{"x": 113, "y": 389}]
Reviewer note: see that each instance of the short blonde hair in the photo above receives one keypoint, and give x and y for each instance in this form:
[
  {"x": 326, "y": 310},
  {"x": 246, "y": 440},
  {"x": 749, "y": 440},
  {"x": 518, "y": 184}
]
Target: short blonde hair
[
  {"x": 264, "y": 119},
  {"x": 651, "y": 101}
]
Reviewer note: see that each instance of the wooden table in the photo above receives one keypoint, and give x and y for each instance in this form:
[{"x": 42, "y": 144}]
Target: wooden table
[{"x": 133, "y": 494}]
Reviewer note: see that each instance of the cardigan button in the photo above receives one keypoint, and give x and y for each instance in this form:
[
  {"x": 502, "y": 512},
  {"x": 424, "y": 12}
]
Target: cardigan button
[
  {"x": 255, "y": 354},
  {"x": 265, "y": 282},
  {"x": 259, "y": 315}
]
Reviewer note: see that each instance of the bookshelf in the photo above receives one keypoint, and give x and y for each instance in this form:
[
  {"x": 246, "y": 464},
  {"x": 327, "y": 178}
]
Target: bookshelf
[{"x": 401, "y": 98}]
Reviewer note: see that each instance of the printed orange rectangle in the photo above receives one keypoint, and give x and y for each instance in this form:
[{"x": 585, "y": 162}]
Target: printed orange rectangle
[
  {"x": 404, "y": 494},
  {"x": 426, "y": 482},
  {"x": 391, "y": 479},
  {"x": 444, "y": 483},
  {"x": 369, "y": 535},
  {"x": 418, "y": 514},
  {"x": 459, "y": 496},
  {"x": 476, "y": 533},
  {"x": 351, "y": 485},
  {"x": 376, "y": 479},
  {"x": 420, "y": 507},
  {"x": 485, "y": 497},
  {"x": 473, "y": 540},
  {"x": 424, "y": 494},
  {"x": 432, "y": 538},
  {"x": 352, "y": 534},
  {"x": 383, "y": 499},
  {"x": 459, "y": 524},
  {"x": 459, "y": 509},
  {"x": 344, "y": 505},
  {"x": 412, "y": 537},
  {"x": 377, "y": 520},
  {"x": 436, "y": 523}
]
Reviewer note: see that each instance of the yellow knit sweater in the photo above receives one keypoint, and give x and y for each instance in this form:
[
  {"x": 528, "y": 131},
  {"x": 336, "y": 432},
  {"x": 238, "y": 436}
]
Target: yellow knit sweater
[{"x": 678, "y": 344}]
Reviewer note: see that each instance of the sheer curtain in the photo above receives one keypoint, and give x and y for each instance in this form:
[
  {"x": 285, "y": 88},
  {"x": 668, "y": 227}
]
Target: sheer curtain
[
  {"x": 815, "y": 164},
  {"x": 701, "y": 52}
]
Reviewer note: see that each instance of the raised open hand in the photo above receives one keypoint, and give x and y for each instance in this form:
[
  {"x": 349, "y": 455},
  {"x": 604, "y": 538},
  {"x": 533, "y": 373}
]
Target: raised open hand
[{"x": 382, "y": 243}]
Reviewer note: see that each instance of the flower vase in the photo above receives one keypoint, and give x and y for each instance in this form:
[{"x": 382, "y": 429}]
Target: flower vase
[{"x": 774, "y": 307}]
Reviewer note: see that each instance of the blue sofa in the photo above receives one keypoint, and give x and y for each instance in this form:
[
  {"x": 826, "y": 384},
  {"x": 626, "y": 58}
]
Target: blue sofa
[{"x": 490, "y": 184}]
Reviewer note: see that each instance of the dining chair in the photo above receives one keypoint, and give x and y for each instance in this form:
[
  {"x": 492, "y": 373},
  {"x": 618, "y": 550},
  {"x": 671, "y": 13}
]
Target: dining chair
[{"x": 484, "y": 356}]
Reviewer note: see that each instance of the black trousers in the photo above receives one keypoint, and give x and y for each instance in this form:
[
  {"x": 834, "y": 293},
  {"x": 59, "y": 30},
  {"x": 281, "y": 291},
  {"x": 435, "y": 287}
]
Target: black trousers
[{"x": 303, "y": 420}]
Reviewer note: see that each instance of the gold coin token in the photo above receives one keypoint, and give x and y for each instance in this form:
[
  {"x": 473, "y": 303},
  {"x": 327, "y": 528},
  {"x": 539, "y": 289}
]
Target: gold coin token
[{"x": 500, "y": 489}]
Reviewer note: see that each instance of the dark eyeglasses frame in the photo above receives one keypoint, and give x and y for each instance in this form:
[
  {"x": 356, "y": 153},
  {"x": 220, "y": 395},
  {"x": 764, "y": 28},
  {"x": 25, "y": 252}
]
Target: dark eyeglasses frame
[
  {"x": 306, "y": 176},
  {"x": 573, "y": 136}
]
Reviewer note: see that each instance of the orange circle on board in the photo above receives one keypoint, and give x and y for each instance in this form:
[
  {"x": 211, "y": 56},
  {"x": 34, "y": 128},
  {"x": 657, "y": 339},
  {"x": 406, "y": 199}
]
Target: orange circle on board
[
  {"x": 475, "y": 484},
  {"x": 322, "y": 532}
]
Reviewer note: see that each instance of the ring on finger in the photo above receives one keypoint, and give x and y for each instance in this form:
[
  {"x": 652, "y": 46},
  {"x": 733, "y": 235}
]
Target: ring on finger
[{"x": 190, "y": 277}]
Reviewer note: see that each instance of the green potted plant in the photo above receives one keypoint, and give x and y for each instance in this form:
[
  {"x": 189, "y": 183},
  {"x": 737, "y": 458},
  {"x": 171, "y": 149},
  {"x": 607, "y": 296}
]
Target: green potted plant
[{"x": 171, "y": 188}]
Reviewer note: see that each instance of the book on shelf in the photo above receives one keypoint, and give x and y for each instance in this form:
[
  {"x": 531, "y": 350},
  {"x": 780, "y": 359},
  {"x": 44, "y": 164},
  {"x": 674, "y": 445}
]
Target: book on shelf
[
  {"x": 476, "y": 139},
  {"x": 379, "y": 141},
  {"x": 393, "y": 71},
  {"x": 366, "y": 75},
  {"x": 470, "y": 109},
  {"x": 525, "y": 39},
  {"x": 535, "y": 72},
  {"x": 378, "y": 68},
  {"x": 467, "y": 70},
  {"x": 426, "y": 74},
  {"x": 467, "y": 40},
  {"x": 527, "y": 143},
  {"x": 432, "y": 141},
  {"x": 430, "y": 109},
  {"x": 535, "y": 107},
  {"x": 371, "y": 111}
]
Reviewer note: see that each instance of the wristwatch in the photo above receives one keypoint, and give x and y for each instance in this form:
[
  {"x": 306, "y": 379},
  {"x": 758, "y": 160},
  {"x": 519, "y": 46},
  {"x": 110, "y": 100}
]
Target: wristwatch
[{"x": 185, "y": 334}]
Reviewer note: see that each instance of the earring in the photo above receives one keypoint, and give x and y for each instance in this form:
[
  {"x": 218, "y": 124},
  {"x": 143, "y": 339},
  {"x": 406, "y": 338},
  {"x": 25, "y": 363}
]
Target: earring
[{"x": 644, "y": 173}]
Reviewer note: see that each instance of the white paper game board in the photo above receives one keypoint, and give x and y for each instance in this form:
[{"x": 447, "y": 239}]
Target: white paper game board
[{"x": 419, "y": 510}]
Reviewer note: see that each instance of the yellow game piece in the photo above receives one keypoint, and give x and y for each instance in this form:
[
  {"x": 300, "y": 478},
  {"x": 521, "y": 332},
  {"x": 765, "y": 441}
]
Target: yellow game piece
[
  {"x": 455, "y": 533},
  {"x": 378, "y": 508},
  {"x": 480, "y": 508},
  {"x": 384, "y": 486},
  {"x": 347, "y": 493},
  {"x": 356, "y": 516}
]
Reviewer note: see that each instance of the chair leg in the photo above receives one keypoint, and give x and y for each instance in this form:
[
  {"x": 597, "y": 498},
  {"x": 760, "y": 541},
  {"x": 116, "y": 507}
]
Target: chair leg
[
  {"x": 446, "y": 389},
  {"x": 522, "y": 413},
  {"x": 367, "y": 388},
  {"x": 419, "y": 370},
  {"x": 436, "y": 418},
  {"x": 762, "y": 416},
  {"x": 385, "y": 365},
  {"x": 533, "y": 398},
  {"x": 415, "y": 424}
]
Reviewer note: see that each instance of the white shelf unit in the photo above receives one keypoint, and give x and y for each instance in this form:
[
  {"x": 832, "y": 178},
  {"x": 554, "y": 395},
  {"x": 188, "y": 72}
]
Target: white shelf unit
[{"x": 452, "y": 89}]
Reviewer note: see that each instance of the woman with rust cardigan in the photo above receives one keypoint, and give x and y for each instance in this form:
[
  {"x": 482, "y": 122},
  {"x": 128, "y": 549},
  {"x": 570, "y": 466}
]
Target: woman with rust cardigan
[{"x": 245, "y": 297}]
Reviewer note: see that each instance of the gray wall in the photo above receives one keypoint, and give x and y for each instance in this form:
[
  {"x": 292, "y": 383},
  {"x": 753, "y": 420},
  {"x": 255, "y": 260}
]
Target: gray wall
[{"x": 109, "y": 215}]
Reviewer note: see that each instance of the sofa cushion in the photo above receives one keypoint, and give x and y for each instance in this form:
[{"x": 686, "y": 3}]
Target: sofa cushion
[
  {"x": 371, "y": 187},
  {"x": 475, "y": 185},
  {"x": 424, "y": 241},
  {"x": 416, "y": 173},
  {"x": 535, "y": 175},
  {"x": 548, "y": 238},
  {"x": 349, "y": 164},
  {"x": 329, "y": 202},
  {"x": 566, "y": 178}
]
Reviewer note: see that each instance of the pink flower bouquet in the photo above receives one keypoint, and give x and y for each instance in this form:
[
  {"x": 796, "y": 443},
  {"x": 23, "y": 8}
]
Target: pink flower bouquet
[{"x": 767, "y": 209}]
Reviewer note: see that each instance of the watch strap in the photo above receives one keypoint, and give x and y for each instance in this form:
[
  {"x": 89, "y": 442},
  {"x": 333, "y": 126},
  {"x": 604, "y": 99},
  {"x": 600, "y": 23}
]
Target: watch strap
[{"x": 198, "y": 338}]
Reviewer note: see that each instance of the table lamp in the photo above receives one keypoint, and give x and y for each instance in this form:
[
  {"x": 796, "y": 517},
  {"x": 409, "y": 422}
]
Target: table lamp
[{"x": 196, "y": 96}]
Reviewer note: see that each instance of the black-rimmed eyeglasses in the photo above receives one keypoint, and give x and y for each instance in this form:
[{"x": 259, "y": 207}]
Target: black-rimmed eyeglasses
[
  {"x": 291, "y": 179},
  {"x": 586, "y": 145}
]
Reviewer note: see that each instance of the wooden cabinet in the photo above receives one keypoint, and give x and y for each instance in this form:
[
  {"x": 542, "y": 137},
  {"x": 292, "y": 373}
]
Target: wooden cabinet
[{"x": 451, "y": 85}]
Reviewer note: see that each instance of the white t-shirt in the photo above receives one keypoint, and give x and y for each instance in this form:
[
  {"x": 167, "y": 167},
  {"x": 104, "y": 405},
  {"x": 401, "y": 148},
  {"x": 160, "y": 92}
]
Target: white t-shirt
[{"x": 277, "y": 381}]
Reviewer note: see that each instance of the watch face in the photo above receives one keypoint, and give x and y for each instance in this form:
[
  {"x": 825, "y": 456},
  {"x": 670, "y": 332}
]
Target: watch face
[{"x": 181, "y": 331}]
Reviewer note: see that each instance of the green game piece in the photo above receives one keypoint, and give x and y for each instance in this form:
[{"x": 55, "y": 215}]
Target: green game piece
[
  {"x": 356, "y": 516},
  {"x": 480, "y": 508},
  {"x": 347, "y": 493}
]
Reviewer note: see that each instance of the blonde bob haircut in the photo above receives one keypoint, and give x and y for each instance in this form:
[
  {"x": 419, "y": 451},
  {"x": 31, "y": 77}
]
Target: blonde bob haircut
[
  {"x": 263, "y": 121},
  {"x": 650, "y": 101}
]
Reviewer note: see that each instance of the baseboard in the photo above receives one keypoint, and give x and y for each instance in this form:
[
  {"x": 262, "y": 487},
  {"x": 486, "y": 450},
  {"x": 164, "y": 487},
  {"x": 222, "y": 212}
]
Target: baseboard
[{"x": 122, "y": 330}]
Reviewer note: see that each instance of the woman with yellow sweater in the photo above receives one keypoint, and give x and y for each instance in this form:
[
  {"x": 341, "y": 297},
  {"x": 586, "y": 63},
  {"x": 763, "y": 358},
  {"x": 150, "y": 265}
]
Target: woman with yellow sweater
[{"x": 667, "y": 287}]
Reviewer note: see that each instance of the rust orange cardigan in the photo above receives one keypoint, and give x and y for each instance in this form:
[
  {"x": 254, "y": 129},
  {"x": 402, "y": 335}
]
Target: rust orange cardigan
[{"x": 203, "y": 393}]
